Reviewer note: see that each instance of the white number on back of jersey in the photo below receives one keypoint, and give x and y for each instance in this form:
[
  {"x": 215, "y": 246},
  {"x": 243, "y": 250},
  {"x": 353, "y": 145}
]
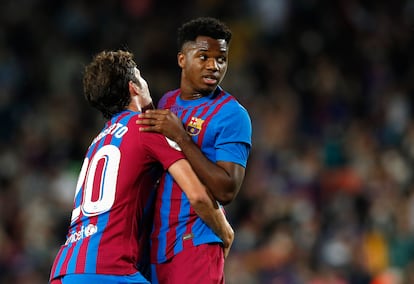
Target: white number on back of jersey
[{"x": 107, "y": 185}]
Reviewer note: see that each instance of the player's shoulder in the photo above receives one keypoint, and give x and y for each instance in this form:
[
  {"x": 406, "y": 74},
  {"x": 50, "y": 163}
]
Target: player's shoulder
[
  {"x": 233, "y": 102},
  {"x": 133, "y": 126},
  {"x": 229, "y": 97},
  {"x": 170, "y": 93},
  {"x": 168, "y": 96},
  {"x": 132, "y": 121}
]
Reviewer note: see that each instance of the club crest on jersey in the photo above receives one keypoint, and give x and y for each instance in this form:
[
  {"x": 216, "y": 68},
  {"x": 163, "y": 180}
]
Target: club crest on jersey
[{"x": 194, "y": 126}]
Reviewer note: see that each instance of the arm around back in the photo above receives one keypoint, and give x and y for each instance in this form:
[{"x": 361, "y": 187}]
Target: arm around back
[{"x": 204, "y": 205}]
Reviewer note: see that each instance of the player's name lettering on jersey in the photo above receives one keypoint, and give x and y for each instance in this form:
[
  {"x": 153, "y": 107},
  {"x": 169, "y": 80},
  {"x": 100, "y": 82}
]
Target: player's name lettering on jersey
[
  {"x": 84, "y": 232},
  {"x": 117, "y": 130}
]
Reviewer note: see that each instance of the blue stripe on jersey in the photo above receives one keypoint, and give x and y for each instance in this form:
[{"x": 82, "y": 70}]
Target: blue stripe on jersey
[
  {"x": 61, "y": 260},
  {"x": 182, "y": 218},
  {"x": 73, "y": 260},
  {"x": 102, "y": 220},
  {"x": 154, "y": 279},
  {"x": 203, "y": 234},
  {"x": 165, "y": 222},
  {"x": 90, "y": 262},
  {"x": 78, "y": 198},
  {"x": 135, "y": 278}
]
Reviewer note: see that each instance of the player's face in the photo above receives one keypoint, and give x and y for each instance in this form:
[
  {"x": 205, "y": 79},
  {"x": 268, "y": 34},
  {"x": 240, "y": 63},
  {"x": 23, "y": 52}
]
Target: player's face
[{"x": 204, "y": 64}]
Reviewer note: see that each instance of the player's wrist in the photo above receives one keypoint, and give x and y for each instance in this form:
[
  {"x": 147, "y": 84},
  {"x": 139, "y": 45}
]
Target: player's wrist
[{"x": 183, "y": 139}]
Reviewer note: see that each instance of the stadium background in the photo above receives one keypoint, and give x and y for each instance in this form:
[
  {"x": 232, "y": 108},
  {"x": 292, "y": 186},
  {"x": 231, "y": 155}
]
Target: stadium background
[{"x": 328, "y": 196}]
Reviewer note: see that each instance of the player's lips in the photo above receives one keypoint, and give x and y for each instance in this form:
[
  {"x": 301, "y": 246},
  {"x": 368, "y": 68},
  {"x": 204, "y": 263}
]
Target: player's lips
[{"x": 210, "y": 79}]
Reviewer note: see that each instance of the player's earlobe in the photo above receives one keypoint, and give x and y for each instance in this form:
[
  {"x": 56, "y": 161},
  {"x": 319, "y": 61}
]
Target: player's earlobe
[
  {"x": 180, "y": 59},
  {"x": 133, "y": 88}
]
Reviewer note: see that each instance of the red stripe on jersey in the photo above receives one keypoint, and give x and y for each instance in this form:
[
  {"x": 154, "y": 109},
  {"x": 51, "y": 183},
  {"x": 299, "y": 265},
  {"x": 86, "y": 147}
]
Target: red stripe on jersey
[
  {"x": 193, "y": 112},
  {"x": 58, "y": 256},
  {"x": 171, "y": 100},
  {"x": 81, "y": 258},
  {"x": 208, "y": 119},
  {"x": 175, "y": 208},
  {"x": 68, "y": 256},
  {"x": 157, "y": 220}
]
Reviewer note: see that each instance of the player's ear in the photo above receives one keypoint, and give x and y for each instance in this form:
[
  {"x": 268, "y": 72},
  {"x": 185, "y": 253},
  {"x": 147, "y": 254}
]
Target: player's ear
[
  {"x": 180, "y": 59},
  {"x": 133, "y": 89}
]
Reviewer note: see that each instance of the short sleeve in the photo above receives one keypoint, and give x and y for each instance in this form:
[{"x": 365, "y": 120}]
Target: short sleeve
[
  {"x": 233, "y": 141},
  {"x": 160, "y": 149}
]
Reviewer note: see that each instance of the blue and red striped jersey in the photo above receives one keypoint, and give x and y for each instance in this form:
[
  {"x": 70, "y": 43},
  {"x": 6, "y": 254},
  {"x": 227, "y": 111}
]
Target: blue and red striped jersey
[
  {"x": 112, "y": 212},
  {"x": 221, "y": 127}
]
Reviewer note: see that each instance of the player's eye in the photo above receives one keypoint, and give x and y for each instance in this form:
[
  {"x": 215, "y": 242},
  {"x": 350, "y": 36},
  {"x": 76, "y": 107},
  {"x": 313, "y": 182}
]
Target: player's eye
[{"x": 221, "y": 60}]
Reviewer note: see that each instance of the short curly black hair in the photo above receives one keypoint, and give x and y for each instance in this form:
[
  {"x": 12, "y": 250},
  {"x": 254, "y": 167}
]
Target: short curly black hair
[
  {"x": 106, "y": 81},
  {"x": 203, "y": 26}
]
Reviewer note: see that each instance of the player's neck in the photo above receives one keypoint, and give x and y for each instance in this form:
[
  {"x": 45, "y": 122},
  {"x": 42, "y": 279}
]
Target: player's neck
[
  {"x": 191, "y": 95},
  {"x": 134, "y": 106}
]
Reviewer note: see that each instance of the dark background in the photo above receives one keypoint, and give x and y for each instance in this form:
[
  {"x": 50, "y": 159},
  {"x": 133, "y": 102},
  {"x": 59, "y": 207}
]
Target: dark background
[{"x": 328, "y": 196}]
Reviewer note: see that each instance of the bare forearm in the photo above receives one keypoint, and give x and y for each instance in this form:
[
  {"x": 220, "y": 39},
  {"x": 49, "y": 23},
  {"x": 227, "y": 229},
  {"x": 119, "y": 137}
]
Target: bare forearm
[
  {"x": 216, "y": 220},
  {"x": 201, "y": 199}
]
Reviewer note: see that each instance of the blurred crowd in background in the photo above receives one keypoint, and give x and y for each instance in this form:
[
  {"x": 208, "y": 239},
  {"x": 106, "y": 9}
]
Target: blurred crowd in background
[{"x": 328, "y": 196}]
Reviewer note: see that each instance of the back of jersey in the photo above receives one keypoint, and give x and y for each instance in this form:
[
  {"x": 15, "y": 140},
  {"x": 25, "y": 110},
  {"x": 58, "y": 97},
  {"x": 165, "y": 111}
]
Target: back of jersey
[{"x": 113, "y": 194}]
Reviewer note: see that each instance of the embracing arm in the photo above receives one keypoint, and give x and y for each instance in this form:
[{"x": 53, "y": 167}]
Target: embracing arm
[
  {"x": 223, "y": 179},
  {"x": 204, "y": 205}
]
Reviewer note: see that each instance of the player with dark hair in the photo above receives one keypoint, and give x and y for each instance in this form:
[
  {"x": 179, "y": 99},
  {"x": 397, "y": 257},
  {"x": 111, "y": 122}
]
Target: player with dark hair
[
  {"x": 112, "y": 213},
  {"x": 216, "y": 139}
]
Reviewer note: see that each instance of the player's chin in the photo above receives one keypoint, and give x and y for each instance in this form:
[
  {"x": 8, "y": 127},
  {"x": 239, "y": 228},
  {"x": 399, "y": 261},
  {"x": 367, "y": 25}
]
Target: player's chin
[{"x": 208, "y": 88}]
